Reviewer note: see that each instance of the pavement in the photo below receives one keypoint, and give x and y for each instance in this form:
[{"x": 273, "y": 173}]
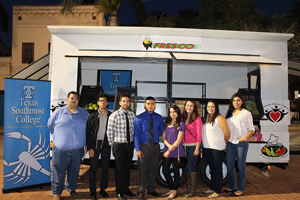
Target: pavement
[{"x": 281, "y": 184}]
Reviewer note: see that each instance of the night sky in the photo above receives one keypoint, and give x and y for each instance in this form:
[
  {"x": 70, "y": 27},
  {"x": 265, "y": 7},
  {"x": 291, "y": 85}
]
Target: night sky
[{"x": 168, "y": 6}]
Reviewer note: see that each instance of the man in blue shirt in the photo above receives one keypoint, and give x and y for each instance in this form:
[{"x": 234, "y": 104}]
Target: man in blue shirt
[
  {"x": 68, "y": 125},
  {"x": 148, "y": 127}
]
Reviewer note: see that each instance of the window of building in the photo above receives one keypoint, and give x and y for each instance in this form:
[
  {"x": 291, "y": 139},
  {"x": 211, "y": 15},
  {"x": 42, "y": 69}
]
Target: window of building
[{"x": 27, "y": 52}]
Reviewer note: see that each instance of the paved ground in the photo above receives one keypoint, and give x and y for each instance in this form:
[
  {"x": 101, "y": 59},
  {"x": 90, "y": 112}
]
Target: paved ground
[{"x": 281, "y": 184}]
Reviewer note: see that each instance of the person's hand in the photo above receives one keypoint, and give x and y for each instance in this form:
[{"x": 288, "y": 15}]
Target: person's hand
[
  {"x": 242, "y": 139},
  {"x": 166, "y": 154},
  {"x": 196, "y": 152},
  {"x": 171, "y": 148},
  {"x": 139, "y": 154},
  {"x": 91, "y": 153}
]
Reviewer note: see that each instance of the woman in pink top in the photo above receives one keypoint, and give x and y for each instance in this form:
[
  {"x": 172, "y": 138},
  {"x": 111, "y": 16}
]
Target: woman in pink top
[{"x": 191, "y": 141}]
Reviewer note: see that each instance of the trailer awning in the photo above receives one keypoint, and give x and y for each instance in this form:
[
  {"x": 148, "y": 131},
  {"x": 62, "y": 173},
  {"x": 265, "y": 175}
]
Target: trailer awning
[
  {"x": 121, "y": 54},
  {"x": 225, "y": 58}
]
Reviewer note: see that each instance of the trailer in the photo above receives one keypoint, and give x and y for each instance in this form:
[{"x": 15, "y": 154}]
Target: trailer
[{"x": 174, "y": 65}]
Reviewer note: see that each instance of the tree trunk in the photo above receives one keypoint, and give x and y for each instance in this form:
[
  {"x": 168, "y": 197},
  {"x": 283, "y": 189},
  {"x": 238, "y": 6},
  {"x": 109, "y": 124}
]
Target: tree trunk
[{"x": 113, "y": 19}]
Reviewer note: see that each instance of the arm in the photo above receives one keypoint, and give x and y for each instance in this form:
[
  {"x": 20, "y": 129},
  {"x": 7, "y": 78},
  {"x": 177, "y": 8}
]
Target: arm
[
  {"x": 137, "y": 131},
  {"x": 88, "y": 135},
  {"x": 250, "y": 127},
  {"x": 199, "y": 125},
  {"x": 51, "y": 122},
  {"x": 110, "y": 129},
  {"x": 224, "y": 126},
  {"x": 167, "y": 153},
  {"x": 171, "y": 147}
]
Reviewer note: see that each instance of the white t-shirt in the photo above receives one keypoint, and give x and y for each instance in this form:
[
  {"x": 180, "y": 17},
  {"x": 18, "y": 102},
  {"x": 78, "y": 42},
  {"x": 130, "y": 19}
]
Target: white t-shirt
[
  {"x": 213, "y": 136},
  {"x": 240, "y": 125}
]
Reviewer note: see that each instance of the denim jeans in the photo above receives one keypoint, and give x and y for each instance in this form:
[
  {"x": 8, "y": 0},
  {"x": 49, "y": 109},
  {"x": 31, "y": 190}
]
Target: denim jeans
[
  {"x": 63, "y": 161},
  {"x": 237, "y": 152},
  {"x": 215, "y": 160},
  {"x": 191, "y": 159}
]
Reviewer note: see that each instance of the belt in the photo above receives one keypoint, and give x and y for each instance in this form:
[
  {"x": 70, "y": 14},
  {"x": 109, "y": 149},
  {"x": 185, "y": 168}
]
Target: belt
[
  {"x": 151, "y": 144},
  {"x": 100, "y": 140},
  {"x": 124, "y": 143}
]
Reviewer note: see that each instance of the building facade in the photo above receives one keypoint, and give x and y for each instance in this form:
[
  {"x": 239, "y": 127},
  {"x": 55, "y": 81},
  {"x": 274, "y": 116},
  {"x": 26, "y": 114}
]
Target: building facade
[{"x": 31, "y": 38}]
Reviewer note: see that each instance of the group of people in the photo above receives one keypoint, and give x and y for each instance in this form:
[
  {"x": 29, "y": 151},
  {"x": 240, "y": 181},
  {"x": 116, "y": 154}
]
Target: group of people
[{"x": 121, "y": 131}]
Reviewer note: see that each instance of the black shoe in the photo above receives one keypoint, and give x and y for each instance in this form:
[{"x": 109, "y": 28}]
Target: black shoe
[
  {"x": 141, "y": 197},
  {"x": 103, "y": 193},
  {"x": 228, "y": 191},
  {"x": 93, "y": 196},
  {"x": 121, "y": 197},
  {"x": 129, "y": 193},
  {"x": 154, "y": 193}
]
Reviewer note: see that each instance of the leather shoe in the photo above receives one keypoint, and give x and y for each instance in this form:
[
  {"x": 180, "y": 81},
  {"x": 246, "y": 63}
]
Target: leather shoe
[
  {"x": 129, "y": 193},
  {"x": 121, "y": 197},
  {"x": 73, "y": 194},
  {"x": 56, "y": 197},
  {"x": 141, "y": 197},
  {"x": 103, "y": 193},
  {"x": 154, "y": 193},
  {"x": 93, "y": 196},
  {"x": 238, "y": 193}
]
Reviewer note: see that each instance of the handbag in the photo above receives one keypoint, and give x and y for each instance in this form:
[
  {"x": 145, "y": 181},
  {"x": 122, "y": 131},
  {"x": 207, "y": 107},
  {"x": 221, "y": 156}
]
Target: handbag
[{"x": 182, "y": 161}]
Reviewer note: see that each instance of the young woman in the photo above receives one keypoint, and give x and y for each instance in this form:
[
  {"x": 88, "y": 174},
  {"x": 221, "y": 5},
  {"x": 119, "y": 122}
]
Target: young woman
[
  {"x": 215, "y": 135},
  {"x": 191, "y": 141},
  {"x": 172, "y": 137},
  {"x": 241, "y": 127}
]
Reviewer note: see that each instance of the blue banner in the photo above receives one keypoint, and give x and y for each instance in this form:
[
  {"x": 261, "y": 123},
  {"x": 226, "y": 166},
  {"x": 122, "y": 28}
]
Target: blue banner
[
  {"x": 26, "y": 136},
  {"x": 109, "y": 80}
]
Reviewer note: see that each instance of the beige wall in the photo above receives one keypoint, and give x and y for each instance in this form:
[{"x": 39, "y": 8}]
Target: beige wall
[
  {"x": 30, "y": 25},
  {"x": 4, "y": 70}
]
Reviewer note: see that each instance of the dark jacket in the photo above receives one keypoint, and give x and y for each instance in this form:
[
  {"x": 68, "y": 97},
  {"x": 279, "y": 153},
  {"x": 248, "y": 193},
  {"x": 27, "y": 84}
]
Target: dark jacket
[{"x": 92, "y": 127}]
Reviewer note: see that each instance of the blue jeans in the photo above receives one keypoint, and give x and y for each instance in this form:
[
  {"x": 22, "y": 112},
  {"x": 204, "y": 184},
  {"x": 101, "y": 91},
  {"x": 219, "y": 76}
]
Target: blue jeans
[
  {"x": 191, "y": 159},
  {"x": 63, "y": 161},
  {"x": 237, "y": 152}
]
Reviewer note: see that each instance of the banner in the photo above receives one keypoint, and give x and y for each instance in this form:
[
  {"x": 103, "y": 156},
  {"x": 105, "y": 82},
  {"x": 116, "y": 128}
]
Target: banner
[
  {"x": 26, "y": 136},
  {"x": 109, "y": 80}
]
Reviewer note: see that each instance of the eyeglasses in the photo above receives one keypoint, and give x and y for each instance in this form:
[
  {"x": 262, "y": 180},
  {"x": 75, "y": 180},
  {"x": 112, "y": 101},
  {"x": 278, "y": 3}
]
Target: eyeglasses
[{"x": 102, "y": 101}]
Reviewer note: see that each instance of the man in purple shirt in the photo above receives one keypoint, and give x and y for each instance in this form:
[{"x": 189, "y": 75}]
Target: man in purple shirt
[{"x": 68, "y": 125}]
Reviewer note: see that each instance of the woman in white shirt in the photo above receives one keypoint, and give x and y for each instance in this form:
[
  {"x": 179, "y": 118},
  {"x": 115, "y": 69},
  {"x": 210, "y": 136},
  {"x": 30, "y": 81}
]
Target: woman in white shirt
[
  {"x": 241, "y": 127},
  {"x": 215, "y": 136}
]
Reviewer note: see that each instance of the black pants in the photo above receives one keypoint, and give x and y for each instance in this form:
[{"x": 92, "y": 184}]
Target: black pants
[
  {"x": 173, "y": 185},
  {"x": 105, "y": 158},
  {"x": 123, "y": 156},
  {"x": 215, "y": 159},
  {"x": 148, "y": 167}
]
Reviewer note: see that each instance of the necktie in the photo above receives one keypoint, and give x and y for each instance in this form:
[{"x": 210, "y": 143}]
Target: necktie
[
  {"x": 150, "y": 131},
  {"x": 127, "y": 128}
]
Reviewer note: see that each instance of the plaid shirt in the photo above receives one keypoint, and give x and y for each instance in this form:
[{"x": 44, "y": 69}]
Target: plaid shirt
[{"x": 116, "y": 127}]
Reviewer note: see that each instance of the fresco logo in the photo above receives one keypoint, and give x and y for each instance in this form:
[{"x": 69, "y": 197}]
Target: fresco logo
[
  {"x": 275, "y": 112},
  {"x": 273, "y": 148},
  {"x": 148, "y": 44},
  {"x": 28, "y": 91},
  {"x": 116, "y": 77}
]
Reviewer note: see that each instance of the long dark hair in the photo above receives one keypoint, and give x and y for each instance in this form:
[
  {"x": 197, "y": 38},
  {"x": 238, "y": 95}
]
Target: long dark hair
[
  {"x": 215, "y": 115},
  {"x": 231, "y": 108},
  {"x": 193, "y": 116},
  {"x": 169, "y": 119}
]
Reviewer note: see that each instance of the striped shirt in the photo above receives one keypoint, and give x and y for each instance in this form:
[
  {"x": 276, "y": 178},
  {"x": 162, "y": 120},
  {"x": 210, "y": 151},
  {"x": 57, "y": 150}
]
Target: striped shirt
[{"x": 116, "y": 127}]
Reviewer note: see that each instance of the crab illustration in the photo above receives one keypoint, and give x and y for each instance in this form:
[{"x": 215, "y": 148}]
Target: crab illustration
[{"x": 27, "y": 159}]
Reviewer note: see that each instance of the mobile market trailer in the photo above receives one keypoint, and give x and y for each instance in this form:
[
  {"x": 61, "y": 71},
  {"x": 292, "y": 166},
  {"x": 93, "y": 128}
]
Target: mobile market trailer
[{"x": 173, "y": 65}]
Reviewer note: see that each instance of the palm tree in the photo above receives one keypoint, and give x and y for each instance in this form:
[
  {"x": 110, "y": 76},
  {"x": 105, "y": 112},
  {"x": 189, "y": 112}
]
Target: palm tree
[
  {"x": 110, "y": 7},
  {"x": 3, "y": 19}
]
